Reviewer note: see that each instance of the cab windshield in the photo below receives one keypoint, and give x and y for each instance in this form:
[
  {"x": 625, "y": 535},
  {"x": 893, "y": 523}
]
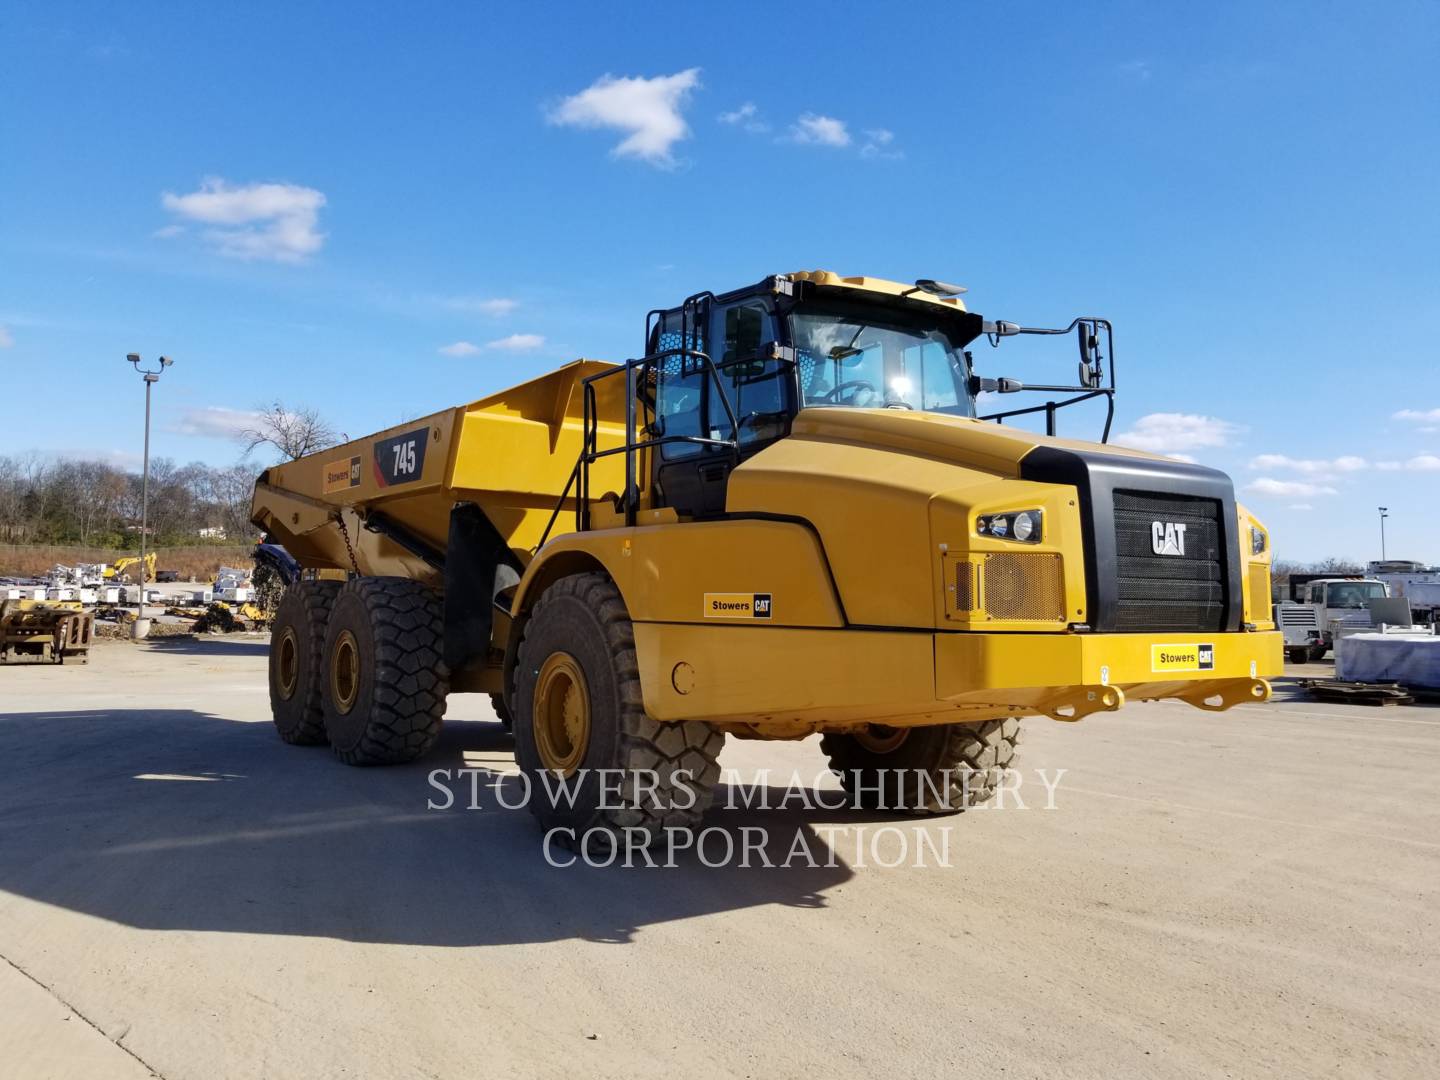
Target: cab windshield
[
  {"x": 871, "y": 358},
  {"x": 1353, "y": 594}
]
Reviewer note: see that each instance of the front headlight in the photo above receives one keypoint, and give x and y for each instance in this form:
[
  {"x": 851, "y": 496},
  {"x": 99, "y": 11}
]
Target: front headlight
[
  {"x": 1257, "y": 541},
  {"x": 1027, "y": 526}
]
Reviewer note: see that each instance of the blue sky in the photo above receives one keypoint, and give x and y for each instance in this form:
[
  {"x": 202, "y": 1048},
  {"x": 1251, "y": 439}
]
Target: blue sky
[{"x": 328, "y": 206}]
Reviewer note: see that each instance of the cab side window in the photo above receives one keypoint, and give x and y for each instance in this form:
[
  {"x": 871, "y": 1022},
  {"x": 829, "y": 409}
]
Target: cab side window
[{"x": 681, "y": 390}]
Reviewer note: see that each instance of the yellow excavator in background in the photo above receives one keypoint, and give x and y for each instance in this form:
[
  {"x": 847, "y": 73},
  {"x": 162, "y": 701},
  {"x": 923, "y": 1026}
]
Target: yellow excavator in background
[{"x": 118, "y": 568}]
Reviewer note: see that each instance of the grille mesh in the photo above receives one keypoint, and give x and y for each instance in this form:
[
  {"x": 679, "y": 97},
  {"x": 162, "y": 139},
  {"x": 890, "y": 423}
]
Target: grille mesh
[
  {"x": 964, "y": 586},
  {"x": 1168, "y": 592},
  {"x": 1029, "y": 587}
]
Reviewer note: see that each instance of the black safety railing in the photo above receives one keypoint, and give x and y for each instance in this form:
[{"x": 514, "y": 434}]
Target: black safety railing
[
  {"x": 1092, "y": 326},
  {"x": 691, "y": 362}
]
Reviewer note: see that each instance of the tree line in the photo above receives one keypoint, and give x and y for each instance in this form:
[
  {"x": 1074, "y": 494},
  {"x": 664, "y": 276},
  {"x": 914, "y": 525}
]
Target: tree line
[
  {"x": 45, "y": 500},
  {"x": 49, "y": 500}
]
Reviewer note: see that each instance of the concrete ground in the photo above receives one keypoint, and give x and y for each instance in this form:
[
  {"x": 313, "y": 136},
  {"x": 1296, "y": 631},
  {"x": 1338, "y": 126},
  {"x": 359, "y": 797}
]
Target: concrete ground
[{"x": 1250, "y": 894}]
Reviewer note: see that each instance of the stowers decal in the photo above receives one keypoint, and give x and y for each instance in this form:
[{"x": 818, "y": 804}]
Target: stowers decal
[
  {"x": 737, "y": 605},
  {"x": 400, "y": 459},
  {"x": 1182, "y": 657},
  {"x": 342, "y": 474}
]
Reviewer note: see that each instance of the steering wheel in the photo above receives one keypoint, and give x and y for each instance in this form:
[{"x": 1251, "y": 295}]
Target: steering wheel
[{"x": 856, "y": 385}]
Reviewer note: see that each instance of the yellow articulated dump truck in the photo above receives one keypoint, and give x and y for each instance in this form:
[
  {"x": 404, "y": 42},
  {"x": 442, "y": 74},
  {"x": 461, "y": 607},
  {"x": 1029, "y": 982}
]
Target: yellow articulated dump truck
[{"x": 786, "y": 518}]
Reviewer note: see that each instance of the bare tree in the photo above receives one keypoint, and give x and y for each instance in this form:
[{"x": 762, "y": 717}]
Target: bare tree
[{"x": 293, "y": 432}]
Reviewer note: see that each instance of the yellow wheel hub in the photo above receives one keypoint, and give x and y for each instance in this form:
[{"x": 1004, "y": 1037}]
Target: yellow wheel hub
[
  {"x": 287, "y": 663},
  {"x": 879, "y": 739},
  {"x": 345, "y": 672},
  {"x": 561, "y": 714}
]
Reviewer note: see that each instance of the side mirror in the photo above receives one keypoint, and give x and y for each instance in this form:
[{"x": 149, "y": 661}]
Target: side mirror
[{"x": 1092, "y": 374}]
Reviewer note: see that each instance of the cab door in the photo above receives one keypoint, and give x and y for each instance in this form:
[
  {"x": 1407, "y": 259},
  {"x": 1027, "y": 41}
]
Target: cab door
[{"x": 748, "y": 398}]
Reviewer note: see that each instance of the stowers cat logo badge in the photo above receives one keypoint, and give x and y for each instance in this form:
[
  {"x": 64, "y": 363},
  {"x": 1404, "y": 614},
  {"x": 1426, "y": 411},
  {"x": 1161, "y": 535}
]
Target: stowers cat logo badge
[
  {"x": 737, "y": 605},
  {"x": 342, "y": 474},
  {"x": 1199, "y": 657}
]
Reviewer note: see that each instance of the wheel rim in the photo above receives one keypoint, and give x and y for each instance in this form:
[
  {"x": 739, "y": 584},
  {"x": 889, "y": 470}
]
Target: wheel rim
[
  {"x": 287, "y": 663},
  {"x": 879, "y": 739},
  {"x": 561, "y": 719},
  {"x": 345, "y": 672}
]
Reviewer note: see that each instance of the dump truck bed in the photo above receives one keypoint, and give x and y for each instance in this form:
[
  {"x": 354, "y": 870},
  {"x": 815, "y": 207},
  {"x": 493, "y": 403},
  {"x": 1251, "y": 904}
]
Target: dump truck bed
[{"x": 378, "y": 504}]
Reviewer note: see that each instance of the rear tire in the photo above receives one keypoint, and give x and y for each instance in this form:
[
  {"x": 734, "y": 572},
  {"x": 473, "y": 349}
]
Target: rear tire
[
  {"x": 925, "y": 770},
  {"x": 297, "y": 650},
  {"x": 1298, "y": 654},
  {"x": 1317, "y": 653},
  {"x": 579, "y": 710},
  {"x": 385, "y": 678}
]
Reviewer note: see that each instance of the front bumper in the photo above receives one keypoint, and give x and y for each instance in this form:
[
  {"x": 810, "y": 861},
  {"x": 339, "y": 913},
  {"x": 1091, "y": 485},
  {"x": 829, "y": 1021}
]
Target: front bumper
[
  {"x": 790, "y": 680},
  {"x": 1212, "y": 671}
]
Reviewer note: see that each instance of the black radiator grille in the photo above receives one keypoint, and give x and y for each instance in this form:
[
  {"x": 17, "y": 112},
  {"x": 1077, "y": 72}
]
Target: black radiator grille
[{"x": 1161, "y": 592}]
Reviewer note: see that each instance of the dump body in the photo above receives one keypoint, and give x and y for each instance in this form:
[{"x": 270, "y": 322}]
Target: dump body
[{"x": 511, "y": 454}]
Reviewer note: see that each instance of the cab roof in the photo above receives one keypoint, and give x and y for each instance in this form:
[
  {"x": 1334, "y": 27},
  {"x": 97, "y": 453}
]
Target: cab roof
[{"x": 877, "y": 285}]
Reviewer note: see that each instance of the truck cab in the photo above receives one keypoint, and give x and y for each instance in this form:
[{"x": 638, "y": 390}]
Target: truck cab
[{"x": 1337, "y": 603}]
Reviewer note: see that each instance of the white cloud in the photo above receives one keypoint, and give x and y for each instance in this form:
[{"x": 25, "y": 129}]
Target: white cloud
[
  {"x": 1310, "y": 466},
  {"x": 458, "y": 348},
  {"x": 1300, "y": 506},
  {"x": 481, "y": 305},
  {"x": 1167, "y": 433},
  {"x": 216, "y": 422},
  {"x": 1287, "y": 488},
  {"x": 649, "y": 109},
  {"x": 746, "y": 116},
  {"x": 879, "y": 143},
  {"x": 7, "y": 339},
  {"x": 1419, "y": 463},
  {"x": 820, "y": 131},
  {"x": 517, "y": 343},
  {"x": 1428, "y": 416},
  {"x": 254, "y": 221},
  {"x": 168, "y": 232}
]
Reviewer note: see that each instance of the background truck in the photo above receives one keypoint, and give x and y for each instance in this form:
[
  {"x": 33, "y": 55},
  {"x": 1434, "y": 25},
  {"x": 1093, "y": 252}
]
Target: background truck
[
  {"x": 1328, "y": 605},
  {"x": 1413, "y": 581},
  {"x": 786, "y": 518}
]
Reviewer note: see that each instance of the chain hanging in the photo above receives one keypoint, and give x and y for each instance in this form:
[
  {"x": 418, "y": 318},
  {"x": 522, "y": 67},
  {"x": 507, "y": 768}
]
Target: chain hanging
[{"x": 340, "y": 520}]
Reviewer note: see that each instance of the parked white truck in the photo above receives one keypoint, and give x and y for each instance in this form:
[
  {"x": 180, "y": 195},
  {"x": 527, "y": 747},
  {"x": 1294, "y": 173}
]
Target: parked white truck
[{"x": 1322, "y": 607}]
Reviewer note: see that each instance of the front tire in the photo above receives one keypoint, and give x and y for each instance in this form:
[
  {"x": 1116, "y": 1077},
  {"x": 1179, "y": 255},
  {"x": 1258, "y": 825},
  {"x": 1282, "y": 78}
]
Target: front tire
[
  {"x": 297, "y": 661},
  {"x": 580, "y": 721},
  {"x": 925, "y": 770},
  {"x": 385, "y": 677}
]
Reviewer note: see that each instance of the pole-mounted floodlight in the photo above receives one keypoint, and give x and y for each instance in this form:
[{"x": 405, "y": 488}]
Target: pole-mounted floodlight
[
  {"x": 1384, "y": 513},
  {"x": 151, "y": 378}
]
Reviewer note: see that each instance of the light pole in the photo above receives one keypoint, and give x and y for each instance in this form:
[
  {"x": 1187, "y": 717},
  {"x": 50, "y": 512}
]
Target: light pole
[
  {"x": 151, "y": 378},
  {"x": 1384, "y": 513}
]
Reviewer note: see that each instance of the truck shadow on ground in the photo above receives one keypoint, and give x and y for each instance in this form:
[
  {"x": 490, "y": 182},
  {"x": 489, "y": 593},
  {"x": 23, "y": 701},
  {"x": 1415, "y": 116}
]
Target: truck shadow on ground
[
  {"x": 175, "y": 819},
  {"x": 206, "y": 645}
]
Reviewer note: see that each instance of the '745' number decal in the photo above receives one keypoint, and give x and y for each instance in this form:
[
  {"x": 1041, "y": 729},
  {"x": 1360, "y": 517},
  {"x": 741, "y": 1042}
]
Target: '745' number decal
[{"x": 401, "y": 458}]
